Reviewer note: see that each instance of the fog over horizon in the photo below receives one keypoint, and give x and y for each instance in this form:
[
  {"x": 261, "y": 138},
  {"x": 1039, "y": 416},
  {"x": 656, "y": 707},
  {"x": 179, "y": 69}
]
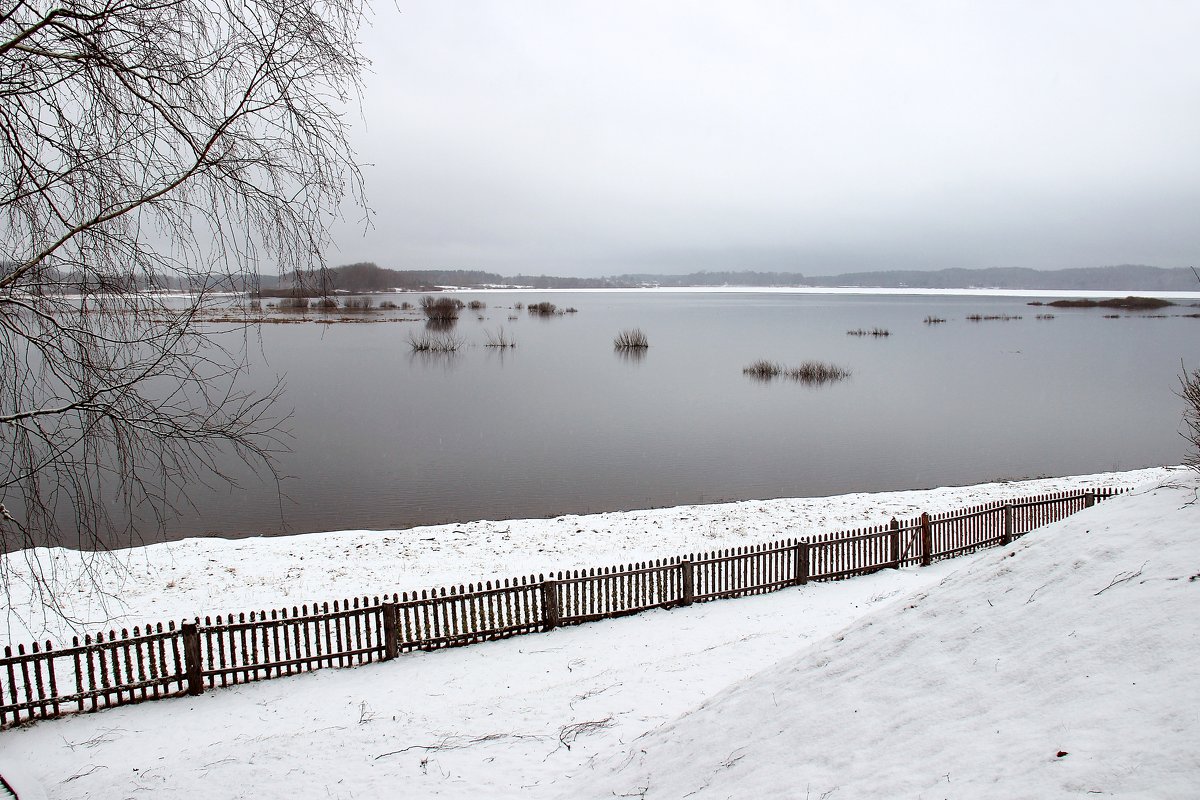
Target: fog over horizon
[{"x": 588, "y": 139}]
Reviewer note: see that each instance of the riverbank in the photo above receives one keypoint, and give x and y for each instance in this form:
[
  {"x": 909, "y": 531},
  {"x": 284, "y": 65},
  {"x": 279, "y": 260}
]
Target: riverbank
[
  {"x": 1060, "y": 665},
  {"x": 209, "y": 576}
]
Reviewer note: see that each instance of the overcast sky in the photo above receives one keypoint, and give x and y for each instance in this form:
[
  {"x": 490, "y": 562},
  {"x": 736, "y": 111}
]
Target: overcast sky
[{"x": 596, "y": 138}]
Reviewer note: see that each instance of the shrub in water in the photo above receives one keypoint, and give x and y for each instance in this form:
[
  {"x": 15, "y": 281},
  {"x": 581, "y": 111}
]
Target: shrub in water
[
  {"x": 500, "y": 339},
  {"x": 632, "y": 339},
  {"x": 442, "y": 309},
  {"x": 430, "y": 343}
]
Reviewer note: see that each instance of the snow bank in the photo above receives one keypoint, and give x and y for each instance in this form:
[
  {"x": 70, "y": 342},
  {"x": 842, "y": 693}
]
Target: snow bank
[
  {"x": 1063, "y": 665},
  {"x": 207, "y": 576}
]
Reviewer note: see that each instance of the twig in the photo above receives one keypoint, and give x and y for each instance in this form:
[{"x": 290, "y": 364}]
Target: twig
[
  {"x": 1122, "y": 577},
  {"x": 79, "y": 775},
  {"x": 104, "y": 737},
  {"x": 732, "y": 759},
  {"x": 1035, "y": 591},
  {"x": 458, "y": 743},
  {"x": 567, "y": 734},
  {"x": 592, "y": 693}
]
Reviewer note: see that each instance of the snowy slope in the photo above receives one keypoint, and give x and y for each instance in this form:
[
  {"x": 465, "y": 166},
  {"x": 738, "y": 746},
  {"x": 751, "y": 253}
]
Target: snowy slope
[
  {"x": 962, "y": 680},
  {"x": 1064, "y": 665},
  {"x": 507, "y": 719}
]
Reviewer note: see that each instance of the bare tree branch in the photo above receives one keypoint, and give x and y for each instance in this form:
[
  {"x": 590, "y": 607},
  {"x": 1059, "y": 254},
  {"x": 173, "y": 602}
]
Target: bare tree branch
[{"x": 149, "y": 145}]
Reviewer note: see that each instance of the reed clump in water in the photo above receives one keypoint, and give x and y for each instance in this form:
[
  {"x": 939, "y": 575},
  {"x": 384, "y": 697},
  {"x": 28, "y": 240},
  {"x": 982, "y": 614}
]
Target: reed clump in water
[
  {"x": 812, "y": 373},
  {"x": 632, "y": 339},
  {"x": 434, "y": 343},
  {"x": 818, "y": 372},
  {"x": 499, "y": 339},
  {"x": 763, "y": 369}
]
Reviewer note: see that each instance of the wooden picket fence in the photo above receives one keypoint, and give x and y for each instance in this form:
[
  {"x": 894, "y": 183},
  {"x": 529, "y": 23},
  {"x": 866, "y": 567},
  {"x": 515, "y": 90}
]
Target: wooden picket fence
[{"x": 157, "y": 661}]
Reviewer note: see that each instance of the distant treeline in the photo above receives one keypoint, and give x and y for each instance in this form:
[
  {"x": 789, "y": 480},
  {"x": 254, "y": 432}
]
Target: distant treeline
[
  {"x": 370, "y": 277},
  {"x": 1117, "y": 278}
]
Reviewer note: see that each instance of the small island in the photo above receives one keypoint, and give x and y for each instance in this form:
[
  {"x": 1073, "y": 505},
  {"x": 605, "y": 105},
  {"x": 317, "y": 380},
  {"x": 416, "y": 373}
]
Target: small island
[{"x": 1131, "y": 302}]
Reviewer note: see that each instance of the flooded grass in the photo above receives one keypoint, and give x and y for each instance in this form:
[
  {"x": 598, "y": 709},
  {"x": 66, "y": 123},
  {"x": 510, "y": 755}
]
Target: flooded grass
[
  {"x": 818, "y": 372},
  {"x": 763, "y": 370},
  {"x": 811, "y": 373},
  {"x": 434, "y": 343},
  {"x": 499, "y": 339},
  {"x": 631, "y": 339}
]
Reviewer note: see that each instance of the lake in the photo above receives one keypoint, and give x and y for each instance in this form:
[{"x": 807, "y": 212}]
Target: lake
[{"x": 388, "y": 438}]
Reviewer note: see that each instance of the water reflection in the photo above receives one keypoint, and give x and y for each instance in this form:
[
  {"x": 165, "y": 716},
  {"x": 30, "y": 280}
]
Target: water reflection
[
  {"x": 440, "y": 325},
  {"x": 631, "y": 355},
  {"x": 448, "y": 360}
]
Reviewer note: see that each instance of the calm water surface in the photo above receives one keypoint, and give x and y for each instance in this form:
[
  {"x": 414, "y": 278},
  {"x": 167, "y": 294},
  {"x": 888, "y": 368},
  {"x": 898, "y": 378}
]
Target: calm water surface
[{"x": 385, "y": 438}]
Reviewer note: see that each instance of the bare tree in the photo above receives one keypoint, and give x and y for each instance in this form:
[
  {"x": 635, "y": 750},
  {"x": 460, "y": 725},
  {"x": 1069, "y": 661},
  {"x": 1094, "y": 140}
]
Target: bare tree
[
  {"x": 147, "y": 144},
  {"x": 1190, "y": 392}
]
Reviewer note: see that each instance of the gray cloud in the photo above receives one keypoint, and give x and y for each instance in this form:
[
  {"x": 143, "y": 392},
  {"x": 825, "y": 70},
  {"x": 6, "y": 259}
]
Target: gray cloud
[{"x": 588, "y": 138}]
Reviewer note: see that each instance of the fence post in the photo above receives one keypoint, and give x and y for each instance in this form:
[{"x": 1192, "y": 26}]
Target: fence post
[
  {"x": 191, "y": 658},
  {"x": 895, "y": 540},
  {"x": 549, "y": 604},
  {"x": 391, "y": 643},
  {"x": 1089, "y": 499},
  {"x": 926, "y": 540},
  {"x": 801, "y": 557},
  {"x": 1007, "y": 537},
  {"x": 688, "y": 574}
]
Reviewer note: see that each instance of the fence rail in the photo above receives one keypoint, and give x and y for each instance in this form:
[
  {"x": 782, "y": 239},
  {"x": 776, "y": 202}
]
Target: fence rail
[{"x": 157, "y": 661}]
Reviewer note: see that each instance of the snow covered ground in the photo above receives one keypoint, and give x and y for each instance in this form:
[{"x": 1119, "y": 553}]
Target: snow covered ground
[
  {"x": 209, "y": 576},
  {"x": 965, "y": 679}
]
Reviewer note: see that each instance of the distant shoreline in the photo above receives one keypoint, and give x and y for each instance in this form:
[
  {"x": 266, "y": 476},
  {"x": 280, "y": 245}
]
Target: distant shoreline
[{"x": 824, "y": 290}]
